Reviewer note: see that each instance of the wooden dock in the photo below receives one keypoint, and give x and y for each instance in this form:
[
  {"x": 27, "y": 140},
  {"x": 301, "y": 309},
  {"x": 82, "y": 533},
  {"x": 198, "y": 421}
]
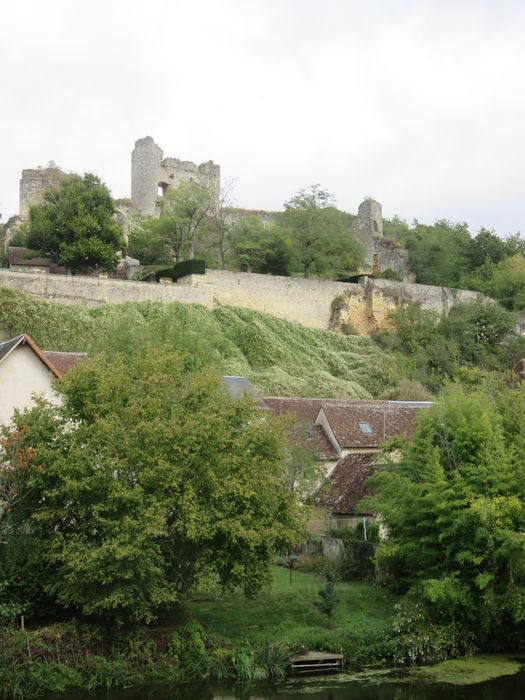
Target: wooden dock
[{"x": 316, "y": 662}]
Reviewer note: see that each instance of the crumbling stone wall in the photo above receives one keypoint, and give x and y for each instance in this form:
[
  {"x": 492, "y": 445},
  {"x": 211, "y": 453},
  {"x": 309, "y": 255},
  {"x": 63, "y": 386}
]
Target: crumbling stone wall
[
  {"x": 33, "y": 184},
  {"x": 381, "y": 254},
  {"x": 152, "y": 175}
]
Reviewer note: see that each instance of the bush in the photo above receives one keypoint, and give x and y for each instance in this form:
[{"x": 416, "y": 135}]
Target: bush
[
  {"x": 182, "y": 269},
  {"x": 328, "y": 596},
  {"x": 420, "y": 641}
]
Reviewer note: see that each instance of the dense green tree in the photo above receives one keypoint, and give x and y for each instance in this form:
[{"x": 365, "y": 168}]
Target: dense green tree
[
  {"x": 439, "y": 254},
  {"x": 147, "y": 244},
  {"x": 486, "y": 246},
  {"x": 146, "y": 479},
  {"x": 75, "y": 225},
  {"x": 478, "y": 328},
  {"x": 454, "y": 511},
  {"x": 257, "y": 247},
  {"x": 473, "y": 334},
  {"x": 507, "y": 282},
  {"x": 320, "y": 234}
]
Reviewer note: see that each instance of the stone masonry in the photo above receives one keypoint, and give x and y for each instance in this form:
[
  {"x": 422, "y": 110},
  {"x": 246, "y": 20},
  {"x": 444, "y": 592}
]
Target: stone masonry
[
  {"x": 380, "y": 253},
  {"x": 361, "y": 308},
  {"x": 152, "y": 176},
  {"x": 33, "y": 184}
]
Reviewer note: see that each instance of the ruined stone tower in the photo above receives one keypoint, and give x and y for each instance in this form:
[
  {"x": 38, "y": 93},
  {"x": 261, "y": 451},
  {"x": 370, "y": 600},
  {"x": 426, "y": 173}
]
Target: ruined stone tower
[
  {"x": 152, "y": 175},
  {"x": 33, "y": 184},
  {"x": 381, "y": 254},
  {"x": 370, "y": 218}
]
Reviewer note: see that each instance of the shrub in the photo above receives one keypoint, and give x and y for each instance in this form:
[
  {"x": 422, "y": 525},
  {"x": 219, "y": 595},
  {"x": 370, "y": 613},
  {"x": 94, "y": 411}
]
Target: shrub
[
  {"x": 357, "y": 561},
  {"x": 420, "y": 641}
]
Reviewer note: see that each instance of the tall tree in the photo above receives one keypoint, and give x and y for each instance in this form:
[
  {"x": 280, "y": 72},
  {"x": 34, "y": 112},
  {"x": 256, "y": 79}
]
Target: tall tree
[
  {"x": 319, "y": 233},
  {"x": 184, "y": 213},
  {"x": 454, "y": 511},
  {"x": 440, "y": 254},
  {"x": 221, "y": 221},
  {"x": 257, "y": 247},
  {"x": 75, "y": 225},
  {"x": 147, "y": 478}
]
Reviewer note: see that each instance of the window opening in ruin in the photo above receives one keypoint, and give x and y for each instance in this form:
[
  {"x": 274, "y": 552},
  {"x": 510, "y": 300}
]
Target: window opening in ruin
[
  {"x": 376, "y": 229},
  {"x": 375, "y": 263},
  {"x": 162, "y": 189}
]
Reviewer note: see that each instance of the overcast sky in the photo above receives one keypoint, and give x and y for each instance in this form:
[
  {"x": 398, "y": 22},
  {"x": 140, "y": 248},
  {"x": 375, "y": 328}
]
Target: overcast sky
[{"x": 420, "y": 104}]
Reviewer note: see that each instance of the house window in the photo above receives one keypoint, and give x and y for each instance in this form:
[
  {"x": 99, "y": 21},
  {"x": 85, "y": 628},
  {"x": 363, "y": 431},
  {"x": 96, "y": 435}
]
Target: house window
[{"x": 365, "y": 428}]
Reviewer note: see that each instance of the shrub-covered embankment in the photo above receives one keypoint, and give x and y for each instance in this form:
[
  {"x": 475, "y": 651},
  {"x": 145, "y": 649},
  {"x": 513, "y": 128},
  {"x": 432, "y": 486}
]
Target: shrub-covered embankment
[{"x": 279, "y": 358}]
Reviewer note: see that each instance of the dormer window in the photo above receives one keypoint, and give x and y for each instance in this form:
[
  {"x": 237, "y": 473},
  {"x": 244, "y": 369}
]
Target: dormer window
[{"x": 365, "y": 428}]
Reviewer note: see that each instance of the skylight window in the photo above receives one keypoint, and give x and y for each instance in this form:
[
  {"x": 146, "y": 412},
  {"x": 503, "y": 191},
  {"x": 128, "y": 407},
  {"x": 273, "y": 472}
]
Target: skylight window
[{"x": 365, "y": 428}]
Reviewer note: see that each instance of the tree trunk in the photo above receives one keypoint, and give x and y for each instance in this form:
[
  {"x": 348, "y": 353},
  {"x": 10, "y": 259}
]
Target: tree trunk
[{"x": 221, "y": 253}]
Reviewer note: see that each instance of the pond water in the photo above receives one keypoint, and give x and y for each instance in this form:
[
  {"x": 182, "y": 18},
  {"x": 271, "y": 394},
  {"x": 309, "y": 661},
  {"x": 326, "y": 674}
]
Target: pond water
[{"x": 328, "y": 688}]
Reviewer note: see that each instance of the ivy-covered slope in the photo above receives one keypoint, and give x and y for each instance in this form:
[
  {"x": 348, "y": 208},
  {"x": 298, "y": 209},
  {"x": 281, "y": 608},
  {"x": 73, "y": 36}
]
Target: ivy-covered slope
[{"x": 279, "y": 358}]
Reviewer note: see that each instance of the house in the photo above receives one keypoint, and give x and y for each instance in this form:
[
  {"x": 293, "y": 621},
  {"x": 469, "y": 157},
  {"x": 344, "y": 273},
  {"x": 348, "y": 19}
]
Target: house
[
  {"x": 24, "y": 260},
  {"x": 26, "y": 370},
  {"x": 347, "y": 437}
]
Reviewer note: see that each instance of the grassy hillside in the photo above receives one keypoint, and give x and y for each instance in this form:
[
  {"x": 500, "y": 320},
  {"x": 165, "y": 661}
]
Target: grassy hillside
[
  {"x": 280, "y": 358},
  {"x": 290, "y": 612}
]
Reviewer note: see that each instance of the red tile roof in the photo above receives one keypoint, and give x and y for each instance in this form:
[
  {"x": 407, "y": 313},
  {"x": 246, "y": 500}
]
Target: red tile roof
[
  {"x": 305, "y": 412},
  {"x": 347, "y": 483},
  {"x": 59, "y": 363},
  {"x": 386, "y": 420},
  {"x": 20, "y": 256},
  {"x": 64, "y": 361},
  {"x": 10, "y": 346}
]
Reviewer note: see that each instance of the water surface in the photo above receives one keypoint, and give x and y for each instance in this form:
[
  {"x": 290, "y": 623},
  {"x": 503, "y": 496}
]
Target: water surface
[{"x": 326, "y": 688}]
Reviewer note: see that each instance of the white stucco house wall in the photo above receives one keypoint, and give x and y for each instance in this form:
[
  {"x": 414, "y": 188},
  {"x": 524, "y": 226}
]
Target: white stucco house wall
[{"x": 25, "y": 370}]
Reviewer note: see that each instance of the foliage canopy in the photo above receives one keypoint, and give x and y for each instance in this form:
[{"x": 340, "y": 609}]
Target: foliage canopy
[
  {"x": 454, "y": 510},
  {"x": 319, "y": 233},
  {"x": 75, "y": 225},
  {"x": 148, "y": 478}
]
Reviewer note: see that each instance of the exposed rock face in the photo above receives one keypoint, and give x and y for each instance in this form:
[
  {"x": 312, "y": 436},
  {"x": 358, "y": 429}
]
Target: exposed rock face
[{"x": 152, "y": 176}]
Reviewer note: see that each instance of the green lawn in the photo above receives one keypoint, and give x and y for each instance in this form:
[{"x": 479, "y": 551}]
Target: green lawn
[{"x": 287, "y": 611}]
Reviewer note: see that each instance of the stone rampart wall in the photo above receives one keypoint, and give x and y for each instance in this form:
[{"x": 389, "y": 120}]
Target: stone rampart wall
[
  {"x": 305, "y": 301},
  {"x": 94, "y": 291},
  {"x": 360, "y": 308}
]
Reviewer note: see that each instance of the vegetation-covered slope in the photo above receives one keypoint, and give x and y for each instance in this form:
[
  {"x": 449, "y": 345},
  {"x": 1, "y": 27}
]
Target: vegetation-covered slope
[{"x": 279, "y": 357}]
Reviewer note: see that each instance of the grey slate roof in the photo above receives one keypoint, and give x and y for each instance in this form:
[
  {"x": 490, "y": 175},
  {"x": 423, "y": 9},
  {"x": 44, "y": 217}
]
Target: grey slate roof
[
  {"x": 240, "y": 386},
  {"x": 8, "y": 345}
]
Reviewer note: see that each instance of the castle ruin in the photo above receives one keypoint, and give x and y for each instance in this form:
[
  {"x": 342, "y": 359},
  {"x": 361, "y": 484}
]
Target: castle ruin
[
  {"x": 152, "y": 176},
  {"x": 33, "y": 184},
  {"x": 381, "y": 253}
]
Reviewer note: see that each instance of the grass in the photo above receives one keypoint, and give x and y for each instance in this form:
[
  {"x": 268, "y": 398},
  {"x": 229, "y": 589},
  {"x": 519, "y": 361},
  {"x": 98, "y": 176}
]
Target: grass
[
  {"x": 280, "y": 358},
  {"x": 470, "y": 670},
  {"x": 287, "y": 612}
]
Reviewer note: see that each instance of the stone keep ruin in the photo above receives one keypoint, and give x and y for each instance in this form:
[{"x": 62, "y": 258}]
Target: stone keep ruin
[
  {"x": 152, "y": 176},
  {"x": 381, "y": 254}
]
